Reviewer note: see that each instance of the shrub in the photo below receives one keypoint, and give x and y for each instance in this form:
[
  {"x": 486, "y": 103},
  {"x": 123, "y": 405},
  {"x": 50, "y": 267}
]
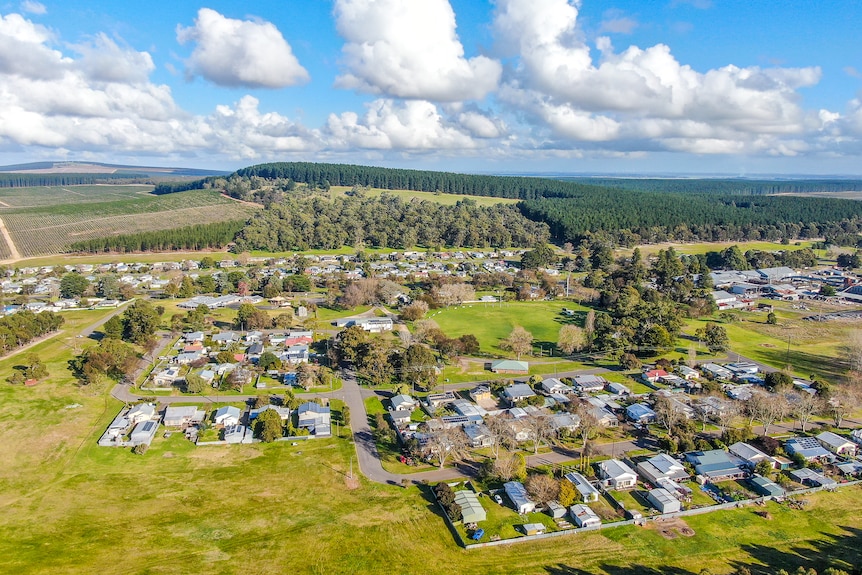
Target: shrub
[{"x": 140, "y": 449}]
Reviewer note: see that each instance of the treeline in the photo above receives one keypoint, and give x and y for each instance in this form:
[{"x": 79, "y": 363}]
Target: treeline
[
  {"x": 325, "y": 175},
  {"x": 385, "y": 221},
  {"x": 23, "y": 327},
  {"x": 721, "y": 186},
  {"x": 8, "y": 180},
  {"x": 628, "y": 217},
  {"x": 197, "y": 237}
]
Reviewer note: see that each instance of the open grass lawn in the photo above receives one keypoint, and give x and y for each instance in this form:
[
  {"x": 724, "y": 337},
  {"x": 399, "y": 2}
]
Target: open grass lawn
[
  {"x": 704, "y": 247},
  {"x": 491, "y": 323},
  {"x": 815, "y": 348}
]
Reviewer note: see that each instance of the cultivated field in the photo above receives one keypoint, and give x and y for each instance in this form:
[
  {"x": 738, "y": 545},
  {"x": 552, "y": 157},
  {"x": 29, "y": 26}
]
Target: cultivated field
[
  {"x": 45, "y": 228},
  {"x": 53, "y": 195}
]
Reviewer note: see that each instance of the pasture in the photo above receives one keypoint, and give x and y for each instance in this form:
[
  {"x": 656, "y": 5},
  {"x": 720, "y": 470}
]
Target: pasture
[
  {"x": 41, "y": 228},
  {"x": 492, "y": 322}
]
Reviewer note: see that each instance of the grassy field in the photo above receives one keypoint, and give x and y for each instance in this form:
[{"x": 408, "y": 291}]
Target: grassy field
[
  {"x": 50, "y": 228},
  {"x": 445, "y": 199},
  {"x": 704, "y": 247},
  {"x": 69, "y": 506},
  {"x": 491, "y": 323}
]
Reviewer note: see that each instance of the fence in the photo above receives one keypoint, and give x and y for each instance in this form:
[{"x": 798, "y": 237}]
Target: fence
[{"x": 687, "y": 512}]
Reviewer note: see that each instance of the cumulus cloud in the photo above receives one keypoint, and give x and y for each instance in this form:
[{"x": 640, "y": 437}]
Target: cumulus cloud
[
  {"x": 642, "y": 93},
  {"x": 105, "y": 61},
  {"x": 615, "y": 22},
  {"x": 409, "y": 49},
  {"x": 232, "y": 53},
  {"x": 388, "y": 125}
]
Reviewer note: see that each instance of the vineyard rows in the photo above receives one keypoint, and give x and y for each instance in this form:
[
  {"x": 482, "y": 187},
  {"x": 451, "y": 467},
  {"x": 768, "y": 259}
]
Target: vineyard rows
[{"x": 40, "y": 231}]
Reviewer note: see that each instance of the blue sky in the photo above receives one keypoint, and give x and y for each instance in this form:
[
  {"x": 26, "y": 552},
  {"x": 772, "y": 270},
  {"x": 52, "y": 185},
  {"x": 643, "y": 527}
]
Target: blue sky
[{"x": 671, "y": 86}]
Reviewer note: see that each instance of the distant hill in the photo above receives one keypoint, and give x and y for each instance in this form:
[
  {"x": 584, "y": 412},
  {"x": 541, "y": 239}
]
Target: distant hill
[{"x": 101, "y": 168}]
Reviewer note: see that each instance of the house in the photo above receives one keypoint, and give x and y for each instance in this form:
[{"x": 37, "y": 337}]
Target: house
[
  {"x": 167, "y": 377},
  {"x": 237, "y": 434},
  {"x": 315, "y": 418},
  {"x": 471, "y": 508},
  {"x": 662, "y": 466},
  {"x": 194, "y": 337},
  {"x": 617, "y": 388},
  {"x": 765, "y": 487},
  {"x": 402, "y": 402},
  {"x": 716, "y": 371},
  {"x": 283, "y": 412},
  {"x": 117, "y": 428},
  {"x": 183, "y": 416},
  {"x": 224, "y": 338},
  {"x": 481, "y": 393},
  {"x": 517, "y": 494},
  {"x": 617, "y": 475},
  {"x": 588, "y": 383},
  {"x": 811, "y": 478},
  {"x": 469, "y": 409},
  {"x": 687, "y": 373},
  {"x": 584, "y": 487},
  {"x": 141, "y": 412},
  {"x": 604, "y": 417},
  {"x": 478, "y": 435},
  {"x": 369, "y": 324},
  {"x": 583, "y": 516},
  {"x": 296, "y": 354},
  {"x": 725, "y": 300},
  {"x": 510, "y": 366},
  {"x": 517, "y": 392},
  {"x": 653, "y": 375},
  {"x": 663, "y": 500},
  {"x": 640, "y": 413},
  {"x": 553, "y": 385},
  {"x": 750, "y": 454},
  {"x": 227, "y": 415},
  {"x": 255, "y": 350},
  {"x": 807, "y": 447},
  {"x": 714, "y": 465},
  {"x": 400, "y": 417},
  {"x": 186, "y": 358},
  {"x": 144, "y": 432},
  {"x": 856, "y": 436},
  {"x": 564, "y": 421},
  {"x": 837, "y": 444}
]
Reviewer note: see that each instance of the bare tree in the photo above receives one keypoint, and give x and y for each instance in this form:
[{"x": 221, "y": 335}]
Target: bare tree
[
  {"x": 539, "y": 425},
  {"x": 853, "y": 351},
  {"x": 588, "y": 426},
  {"x": 725, "y": 416},
  {"x": 571, "y": 338},
  {"x": 510, "y": 466},
  {"x": 448, "y": 443},
  {"x": 501, "y": 433},
  {"x": 843, "y": 400},
  {"x": 804, "y": 406},
  {"x": 520, "y": 341},
  {"x": 542, "y": 488},
  {"x": 455, "y": 294},
  {"x": 666, "y": 413},
  {"x": 767, "y": 409}
]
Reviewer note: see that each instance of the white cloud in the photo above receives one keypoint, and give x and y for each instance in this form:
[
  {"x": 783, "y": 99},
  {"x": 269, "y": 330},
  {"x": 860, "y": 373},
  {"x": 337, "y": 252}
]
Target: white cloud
[
  {"x": 33, "y": 7},
  {"x": 616, "y": 22},
  {"x": 388, "y": 125},
  {"x": 232, "y": 53},
  {"x": 642, "y": 93},
  {"x": 409, "y": 49},
  {"x": 103, "y": 60}
]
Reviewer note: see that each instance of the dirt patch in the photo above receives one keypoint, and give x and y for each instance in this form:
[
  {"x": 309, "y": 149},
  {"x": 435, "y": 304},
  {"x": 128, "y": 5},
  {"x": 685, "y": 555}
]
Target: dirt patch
[
  {"x": 765, "y": 514},
  {"x": 168, "y": 454},
  {"x": 767, "y": 345},
  {"x": 351, "y": 482},
  {"x": 671, "y": 528}
]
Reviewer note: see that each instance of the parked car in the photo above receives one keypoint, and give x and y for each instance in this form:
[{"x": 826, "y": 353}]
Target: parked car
[
  {"x": 477, "y": 534},
  {"x": 498, "y": 499}
]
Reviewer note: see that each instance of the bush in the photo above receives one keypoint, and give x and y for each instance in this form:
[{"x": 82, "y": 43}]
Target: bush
[{"x": 140, "y": 449}]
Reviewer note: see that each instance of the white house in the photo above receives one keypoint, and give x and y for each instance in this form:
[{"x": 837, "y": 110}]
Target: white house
[
  {"x": 141, "y": 412},
  {"x": 315, "y": 418},
  {"x": 617, "y": 475},
  {"x": 588, "y": 383},
  {"x": 662, "y": 466},
  {"x": 837, "y": 444},
  {"x": 583, "y": 516},
  {"x": 517, "y": 392},
  {"x": 553, "y": 385},
  {"x": 183, "y": 415},
  {"x": 518, "y": 495},
  {"x": 584, "y": 487},
  {"x": 227, "y": 415}
]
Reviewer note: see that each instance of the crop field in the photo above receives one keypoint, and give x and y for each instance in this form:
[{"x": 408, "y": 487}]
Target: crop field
[
  {"x": 50, "y": 229},
  {"x": 445, "y": 199},
  {"x": 54, "y": 195}
]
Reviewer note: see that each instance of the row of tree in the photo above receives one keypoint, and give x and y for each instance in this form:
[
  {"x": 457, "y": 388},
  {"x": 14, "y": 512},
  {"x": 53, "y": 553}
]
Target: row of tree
[
  {"x": 198, "y": 237},
  {"x": 23, "y": 327}
]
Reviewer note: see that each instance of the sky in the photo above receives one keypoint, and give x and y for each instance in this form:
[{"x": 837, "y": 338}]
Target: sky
[{"x": 719, "y": 87}]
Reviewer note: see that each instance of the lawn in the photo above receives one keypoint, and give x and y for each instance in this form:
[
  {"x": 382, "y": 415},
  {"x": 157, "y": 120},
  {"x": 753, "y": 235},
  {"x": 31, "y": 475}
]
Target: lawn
[
  {"x": 491, "y": 323},
  {"x": 704, "y": 247},
  {"x": 437, "y": 198}
]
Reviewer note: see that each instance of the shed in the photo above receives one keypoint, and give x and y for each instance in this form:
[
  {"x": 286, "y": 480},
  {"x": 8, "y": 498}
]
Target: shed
[
  {"x": 556, "y": 510},
  {"x": 583, "y": 516},
  {"x": 471, "y": 508},
  {"x": 510, "y": 366},
  {"x": 533, "y": 528},
  {"x": 663, "y": 500},
  {"x": 765, "y": 487}
]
